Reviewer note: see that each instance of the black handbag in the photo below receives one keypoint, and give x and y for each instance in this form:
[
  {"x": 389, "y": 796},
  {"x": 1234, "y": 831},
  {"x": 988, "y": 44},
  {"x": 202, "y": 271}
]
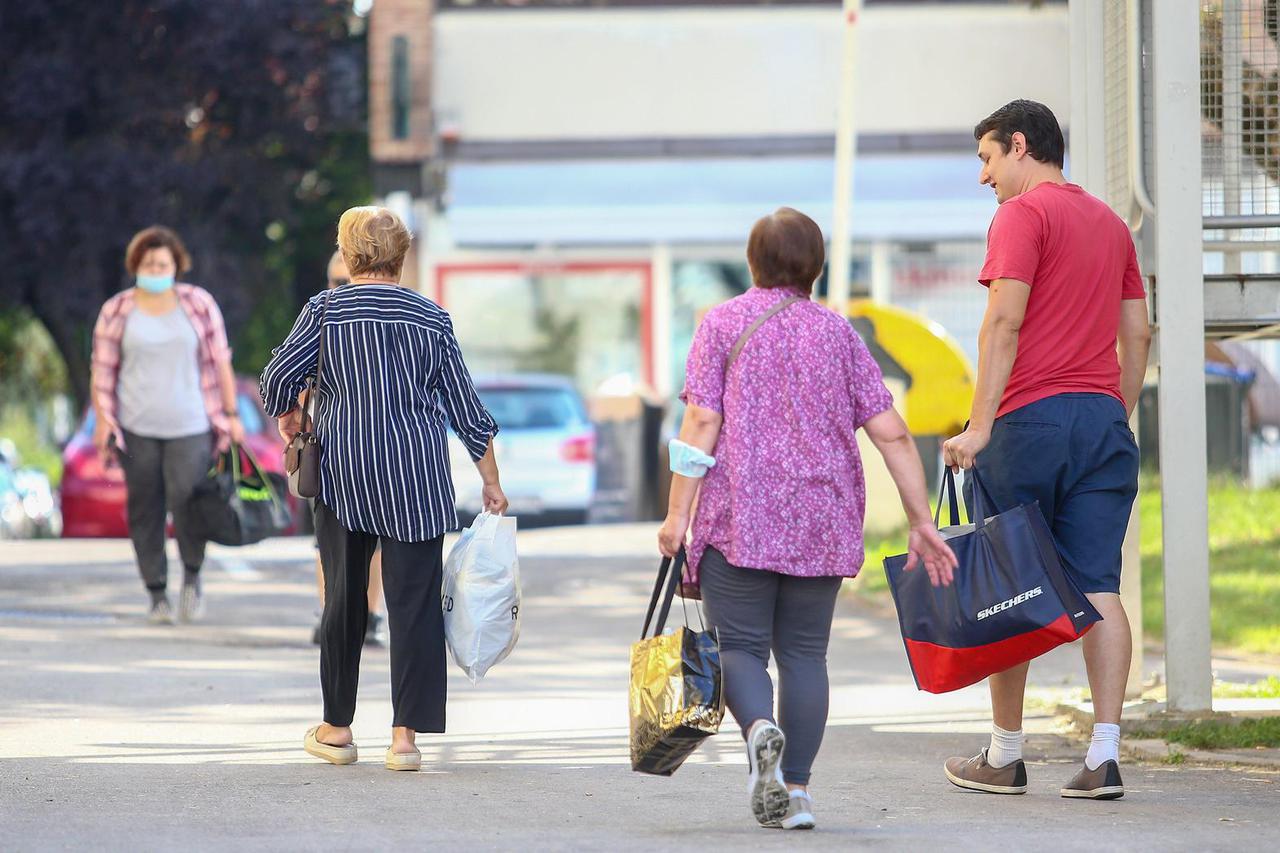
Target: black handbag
[
  {"x": 235, "y": 506},
  {"x": 302, "y": 455}
]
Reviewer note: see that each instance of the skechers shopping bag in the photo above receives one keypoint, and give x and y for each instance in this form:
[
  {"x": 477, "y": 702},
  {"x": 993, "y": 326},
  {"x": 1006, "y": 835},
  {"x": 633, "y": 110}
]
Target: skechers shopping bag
[
  {"x": 480, "y": 595},
  {"x": 1011, "y": 599},
  {"x": 238, "y": 503},
  {"x": 677, "y": 696}
]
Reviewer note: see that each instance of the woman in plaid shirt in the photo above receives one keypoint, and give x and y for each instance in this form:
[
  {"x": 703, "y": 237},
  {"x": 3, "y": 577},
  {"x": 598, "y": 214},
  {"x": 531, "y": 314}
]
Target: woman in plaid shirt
[{"x": 164, "y": 398}]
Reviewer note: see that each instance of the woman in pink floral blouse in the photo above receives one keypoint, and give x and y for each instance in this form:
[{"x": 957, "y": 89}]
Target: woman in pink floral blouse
[{"x": 777, "y": 387}]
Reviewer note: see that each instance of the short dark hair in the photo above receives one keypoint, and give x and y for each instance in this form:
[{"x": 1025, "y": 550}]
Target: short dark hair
[
  {"x": 786, "y": 249},
  {"x": 1033, "y": 120},
  {"x": 155, "y": 237}
]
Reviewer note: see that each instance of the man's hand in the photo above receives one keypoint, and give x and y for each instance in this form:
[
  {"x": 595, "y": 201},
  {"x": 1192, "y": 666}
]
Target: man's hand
[
  {"x": 672, "y": 534},
  {"x": 926, "y": 545},
  {"x": 962, "y": 450},
  {"x": 289, "y": 424}
]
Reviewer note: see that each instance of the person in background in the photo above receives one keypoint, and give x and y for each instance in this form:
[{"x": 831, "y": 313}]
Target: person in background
[
  {"x": 768, "y": 449},
  {"x": 1051, "y": 408},
  {"x": 164, "y": 399},
  {"x": 393, "y": 380},
  {"x": 374, "y": 635}
]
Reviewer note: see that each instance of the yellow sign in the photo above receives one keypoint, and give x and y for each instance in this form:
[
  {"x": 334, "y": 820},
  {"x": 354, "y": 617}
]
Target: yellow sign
[{"x": 925, "y": 358}]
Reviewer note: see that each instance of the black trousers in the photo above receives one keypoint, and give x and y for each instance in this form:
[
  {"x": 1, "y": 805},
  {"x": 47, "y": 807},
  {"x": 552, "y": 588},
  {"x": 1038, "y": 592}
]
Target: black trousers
[
  {"x": 411, "y": 577},
  {"x": 159, "y": 474}
]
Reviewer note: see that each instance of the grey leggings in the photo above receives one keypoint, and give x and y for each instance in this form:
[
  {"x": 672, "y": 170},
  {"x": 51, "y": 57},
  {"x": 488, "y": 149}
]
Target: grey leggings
[
  {"x": 160, "y": 474},
  {"x": 755, "y": 611}
]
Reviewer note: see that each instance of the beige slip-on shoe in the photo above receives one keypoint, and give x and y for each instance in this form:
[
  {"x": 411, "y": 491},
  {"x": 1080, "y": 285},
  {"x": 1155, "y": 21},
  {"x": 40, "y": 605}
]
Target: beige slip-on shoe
[
  {"x": 332, "y": 754},
  {"x": 403, "y": 760}
]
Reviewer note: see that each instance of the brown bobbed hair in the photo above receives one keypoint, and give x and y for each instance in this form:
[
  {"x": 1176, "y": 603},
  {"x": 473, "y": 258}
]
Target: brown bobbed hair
[
  {"x": 373, "y": 241},
  {"x": 156, "y": 237},
  {"x": 786, "y": 249}
]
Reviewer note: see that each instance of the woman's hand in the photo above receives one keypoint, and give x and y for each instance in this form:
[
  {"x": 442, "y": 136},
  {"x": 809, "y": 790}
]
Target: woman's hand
[
  {"x": 102, "y": 443},
  {"x": 494, "y": 499},
  {"x": 237, "y": 430},
  {"x": 672, "y": 534},
  {"x": 926, "y": 545},
  {"x": 289, "y": 424}
]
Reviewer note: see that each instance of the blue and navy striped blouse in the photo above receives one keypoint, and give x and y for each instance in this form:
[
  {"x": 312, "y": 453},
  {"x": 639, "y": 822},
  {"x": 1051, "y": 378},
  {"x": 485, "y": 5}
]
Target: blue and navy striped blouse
[{"x": 393, "y": 379}]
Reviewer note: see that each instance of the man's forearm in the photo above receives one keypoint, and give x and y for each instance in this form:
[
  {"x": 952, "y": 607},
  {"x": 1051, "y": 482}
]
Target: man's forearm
[
  {"x": 997, "y": 348},
  {"x": 1133, "y": 371}
]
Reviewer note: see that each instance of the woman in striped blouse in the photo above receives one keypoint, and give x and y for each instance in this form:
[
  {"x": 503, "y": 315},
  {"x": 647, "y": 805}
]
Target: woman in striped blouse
[{"x": 393, "y": 377}]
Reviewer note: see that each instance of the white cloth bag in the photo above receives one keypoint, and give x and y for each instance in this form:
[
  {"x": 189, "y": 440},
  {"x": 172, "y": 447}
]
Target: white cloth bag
[{"x": 481, "y": 595}]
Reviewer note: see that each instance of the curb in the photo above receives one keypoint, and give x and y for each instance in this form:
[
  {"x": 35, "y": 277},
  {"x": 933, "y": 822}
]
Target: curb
[{"x": 1159, "y": 751}]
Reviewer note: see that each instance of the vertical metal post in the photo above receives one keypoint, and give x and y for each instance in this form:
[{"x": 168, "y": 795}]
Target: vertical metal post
[
  {"x": 661, "y": 265},
  {"x": 1232, "y": 128},
  {"x": 1180, "y": 317},
  {"x": 1089, "y": 170},
  {"x": 881, "y": 271},
  {"x": 846, "y": 148}
]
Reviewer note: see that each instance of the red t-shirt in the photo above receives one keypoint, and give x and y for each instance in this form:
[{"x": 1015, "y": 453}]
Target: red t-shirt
[{"x": 1079, "y": 260}]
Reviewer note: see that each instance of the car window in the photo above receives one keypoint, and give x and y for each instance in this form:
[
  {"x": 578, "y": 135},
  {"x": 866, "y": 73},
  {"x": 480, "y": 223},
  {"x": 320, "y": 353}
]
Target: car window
[
  {"x": 250, "y": 414},
  {"x": 532, "y": 408}
]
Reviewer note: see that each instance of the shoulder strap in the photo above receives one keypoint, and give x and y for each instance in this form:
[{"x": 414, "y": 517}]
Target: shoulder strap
[
  {"x": 751, "y": 330},
  {"x": 314, "y": 385}
]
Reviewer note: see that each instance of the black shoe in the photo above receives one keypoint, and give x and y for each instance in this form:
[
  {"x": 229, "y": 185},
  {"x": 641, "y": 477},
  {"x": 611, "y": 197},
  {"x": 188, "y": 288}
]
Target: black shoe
[{"x": 373, "y": 635}]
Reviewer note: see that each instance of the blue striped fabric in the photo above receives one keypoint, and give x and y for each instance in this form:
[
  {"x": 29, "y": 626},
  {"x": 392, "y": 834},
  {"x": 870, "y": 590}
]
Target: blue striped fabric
[{"x": 393, "y": 380}]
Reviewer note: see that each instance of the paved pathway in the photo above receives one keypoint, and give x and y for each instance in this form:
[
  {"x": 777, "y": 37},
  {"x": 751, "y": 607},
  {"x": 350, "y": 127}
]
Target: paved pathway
[{"x": 121, "y": 736}]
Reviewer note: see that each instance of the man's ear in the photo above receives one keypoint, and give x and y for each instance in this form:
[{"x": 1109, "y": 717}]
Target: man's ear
[{"x": 1018, "y": 144}]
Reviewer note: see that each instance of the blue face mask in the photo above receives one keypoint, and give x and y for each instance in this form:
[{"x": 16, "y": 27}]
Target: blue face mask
[{"x": 155, "y": 283}]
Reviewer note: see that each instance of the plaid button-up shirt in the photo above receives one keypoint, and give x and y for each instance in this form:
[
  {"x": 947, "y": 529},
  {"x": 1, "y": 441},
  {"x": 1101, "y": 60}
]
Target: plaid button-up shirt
[{"x": 212, "y": 353}]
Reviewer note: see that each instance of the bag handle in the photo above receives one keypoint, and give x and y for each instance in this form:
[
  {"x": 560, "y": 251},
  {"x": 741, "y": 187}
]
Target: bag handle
[
  {"x": 947, "y": 488},
  {"x": 257, "y": 469},
  {"x": 751, "y": 330},
  {"x": 314, "y": 384},
  {"x": 979, "y": 496},
  {"x": 671, "y": 575}
]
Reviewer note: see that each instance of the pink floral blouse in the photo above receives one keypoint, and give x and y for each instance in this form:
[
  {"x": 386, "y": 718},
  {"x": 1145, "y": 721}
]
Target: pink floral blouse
[{"x": 787, "y": 492}]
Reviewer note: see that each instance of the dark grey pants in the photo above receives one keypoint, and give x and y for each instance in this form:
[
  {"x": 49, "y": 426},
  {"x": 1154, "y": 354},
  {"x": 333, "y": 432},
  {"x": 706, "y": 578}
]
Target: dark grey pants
[
  {"x": 160, "y": 474},
  {"x": 411, "y": 575},
  {"x": 755, "y": 611}
]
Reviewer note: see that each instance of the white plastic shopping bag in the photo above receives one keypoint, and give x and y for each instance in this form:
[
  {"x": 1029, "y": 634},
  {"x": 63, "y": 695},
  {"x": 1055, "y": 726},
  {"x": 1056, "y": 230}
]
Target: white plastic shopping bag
[{"x": 481, "y": 595}]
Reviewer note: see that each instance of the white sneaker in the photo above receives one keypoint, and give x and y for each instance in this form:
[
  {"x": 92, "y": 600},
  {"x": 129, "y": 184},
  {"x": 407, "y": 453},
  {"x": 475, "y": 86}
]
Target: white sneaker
[
  {"x": 799, "y": 812},
  {"x": 769, "y": 798},
  {"x": 161, "y": 613},
  {"x": 190, "y": 605}
]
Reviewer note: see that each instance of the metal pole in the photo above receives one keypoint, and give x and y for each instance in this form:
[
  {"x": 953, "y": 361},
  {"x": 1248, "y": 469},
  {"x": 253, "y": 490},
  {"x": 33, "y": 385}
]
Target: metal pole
[
  {"x": 1232, "y": 148},
  {"x": 846, "y": 147},
  {"x": 1180, "y": 306}
]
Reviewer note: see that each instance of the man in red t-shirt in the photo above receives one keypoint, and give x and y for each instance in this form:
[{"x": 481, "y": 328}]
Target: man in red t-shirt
[{"x": 1050, "y": 413}]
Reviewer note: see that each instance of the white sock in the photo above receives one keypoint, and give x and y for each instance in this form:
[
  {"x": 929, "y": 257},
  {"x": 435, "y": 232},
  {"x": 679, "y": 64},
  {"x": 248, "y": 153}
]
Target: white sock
[
  {"x": 1105, "y": 745},
  {"x": 1006, "y": 747}
]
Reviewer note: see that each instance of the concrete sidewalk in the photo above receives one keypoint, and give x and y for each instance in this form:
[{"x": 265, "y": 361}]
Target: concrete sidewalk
[{"x": 123, "y": 736}]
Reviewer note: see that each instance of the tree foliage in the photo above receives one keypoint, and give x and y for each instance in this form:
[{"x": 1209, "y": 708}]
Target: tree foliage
[{"x": 239, "y": 122}]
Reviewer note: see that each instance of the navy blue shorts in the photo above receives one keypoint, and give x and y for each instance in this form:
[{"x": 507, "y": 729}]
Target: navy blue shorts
[{"x": 1075, "y": 455}]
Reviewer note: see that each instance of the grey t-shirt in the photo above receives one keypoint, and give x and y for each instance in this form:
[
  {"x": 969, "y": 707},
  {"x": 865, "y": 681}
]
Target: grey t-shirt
[{"x": 159, "y": 382}]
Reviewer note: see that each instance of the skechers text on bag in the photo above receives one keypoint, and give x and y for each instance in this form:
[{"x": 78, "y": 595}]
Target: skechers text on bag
[{"x": 1011, "y": 600}]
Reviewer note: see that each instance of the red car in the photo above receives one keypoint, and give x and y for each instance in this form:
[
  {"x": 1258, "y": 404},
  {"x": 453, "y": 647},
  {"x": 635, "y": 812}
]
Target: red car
[{"x": 93, "y": 497}]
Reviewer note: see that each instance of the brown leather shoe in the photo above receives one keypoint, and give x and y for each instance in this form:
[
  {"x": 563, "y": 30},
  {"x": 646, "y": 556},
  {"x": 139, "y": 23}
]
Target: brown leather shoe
[
  {"x": 1101, "y": 784},
  {"x": 977, "y": 775}
]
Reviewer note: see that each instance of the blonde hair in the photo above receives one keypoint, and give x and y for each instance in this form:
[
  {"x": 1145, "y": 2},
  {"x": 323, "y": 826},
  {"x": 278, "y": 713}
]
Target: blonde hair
[{"x": 373, "y": 241}]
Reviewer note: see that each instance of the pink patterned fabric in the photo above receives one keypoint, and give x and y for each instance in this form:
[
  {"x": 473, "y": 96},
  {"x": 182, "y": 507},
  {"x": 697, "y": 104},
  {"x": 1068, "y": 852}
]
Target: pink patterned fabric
[
  {"x": 787, "y": 492},
  {"x": 211, "y": 333}
]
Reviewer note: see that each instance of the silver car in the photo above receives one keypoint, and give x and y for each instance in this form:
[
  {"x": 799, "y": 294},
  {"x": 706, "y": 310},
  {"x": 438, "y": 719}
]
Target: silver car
[{"x": 546, "y": 450}]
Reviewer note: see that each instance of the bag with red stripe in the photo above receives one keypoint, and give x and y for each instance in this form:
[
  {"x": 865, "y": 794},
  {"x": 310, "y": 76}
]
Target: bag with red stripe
[{"x": 1011, "y": 599}]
